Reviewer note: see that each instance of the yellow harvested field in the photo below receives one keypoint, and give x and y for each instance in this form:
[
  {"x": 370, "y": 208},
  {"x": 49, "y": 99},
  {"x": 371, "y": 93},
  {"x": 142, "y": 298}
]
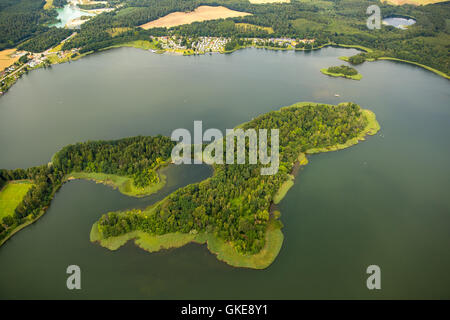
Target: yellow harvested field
[
  {"x": 413, "y": 2},
  {"x": 5, "y": 59},
  {"x": 268, "y": 1},
  {"x": 202, "y": 13}
]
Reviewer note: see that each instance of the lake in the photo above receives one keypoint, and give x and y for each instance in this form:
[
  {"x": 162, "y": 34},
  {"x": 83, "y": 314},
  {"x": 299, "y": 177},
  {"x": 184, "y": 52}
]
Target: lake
[{"x": 384, "y": 201}]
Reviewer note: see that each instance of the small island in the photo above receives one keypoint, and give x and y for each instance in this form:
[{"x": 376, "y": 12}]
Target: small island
[{"x": 342, "y": 71}]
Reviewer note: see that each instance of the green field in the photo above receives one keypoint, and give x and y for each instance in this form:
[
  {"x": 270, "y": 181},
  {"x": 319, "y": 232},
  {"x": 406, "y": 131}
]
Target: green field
[
  {"x": 123, "y": 183},
  {"x": 11, "y": 195},
  {"x": 150, "y": 243}
]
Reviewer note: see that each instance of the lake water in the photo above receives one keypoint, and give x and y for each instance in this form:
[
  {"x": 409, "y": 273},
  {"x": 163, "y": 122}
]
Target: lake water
[
  {"x": 400, "y": 23},
  {"x": 69, "y": 12},
  {"x": 384, "y": 201}
]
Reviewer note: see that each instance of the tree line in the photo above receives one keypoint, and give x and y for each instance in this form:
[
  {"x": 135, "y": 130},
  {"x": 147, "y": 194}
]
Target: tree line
[{"x": 342, "y": 22}]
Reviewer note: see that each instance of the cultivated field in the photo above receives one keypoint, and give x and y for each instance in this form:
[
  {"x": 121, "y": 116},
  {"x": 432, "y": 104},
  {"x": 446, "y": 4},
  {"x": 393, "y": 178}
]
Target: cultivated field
[
  {"x": 202, "y": 13},
  {"x": 11, "y": 195},
  {"x": 5, "y": 59},
  {"x": 414, "y": 2},
  {"x": 268, "y": 1}
]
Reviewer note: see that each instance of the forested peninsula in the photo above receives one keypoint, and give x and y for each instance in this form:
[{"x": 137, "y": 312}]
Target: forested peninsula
[{"x": 233, "y": 211}]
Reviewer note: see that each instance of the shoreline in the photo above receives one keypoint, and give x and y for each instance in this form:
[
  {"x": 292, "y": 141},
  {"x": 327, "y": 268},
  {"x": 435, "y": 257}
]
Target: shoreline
[
  {"x": 435, "y": 71},
  {"x": 123, "y": 184}
]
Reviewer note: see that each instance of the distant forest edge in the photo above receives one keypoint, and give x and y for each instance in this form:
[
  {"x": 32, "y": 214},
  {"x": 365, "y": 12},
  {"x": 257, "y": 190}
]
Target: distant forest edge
[
  {"x": 342, "y": 22},
  {"x": 232, "y": 211}
]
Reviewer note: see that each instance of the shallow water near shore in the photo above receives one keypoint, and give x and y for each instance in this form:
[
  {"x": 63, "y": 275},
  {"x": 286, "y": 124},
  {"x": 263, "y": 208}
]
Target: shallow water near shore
[{"x": 383, "y": 201}]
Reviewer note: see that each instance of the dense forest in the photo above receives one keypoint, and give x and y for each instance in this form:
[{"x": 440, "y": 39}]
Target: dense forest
[
  {"x": 234, "y": 204},
  {"x": 135, "y": 157}
]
